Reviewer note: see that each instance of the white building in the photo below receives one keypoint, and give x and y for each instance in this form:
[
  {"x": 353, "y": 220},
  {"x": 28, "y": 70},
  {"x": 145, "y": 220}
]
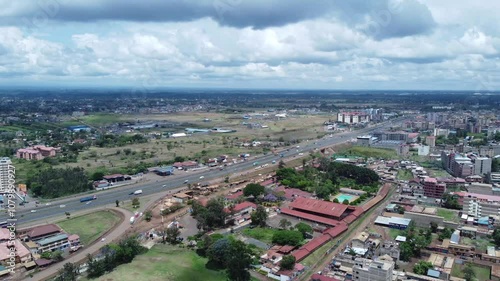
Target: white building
[
  {"x": 5, "y": 166},
  {"x": 372, "y": 270}
]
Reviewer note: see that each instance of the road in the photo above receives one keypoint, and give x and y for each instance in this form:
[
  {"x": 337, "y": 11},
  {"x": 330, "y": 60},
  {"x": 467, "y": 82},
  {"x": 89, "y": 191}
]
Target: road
[{"x": 107, "y": 197}]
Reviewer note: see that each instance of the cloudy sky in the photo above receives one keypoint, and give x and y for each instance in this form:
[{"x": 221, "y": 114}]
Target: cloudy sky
[{"x": 313, "y": 44}]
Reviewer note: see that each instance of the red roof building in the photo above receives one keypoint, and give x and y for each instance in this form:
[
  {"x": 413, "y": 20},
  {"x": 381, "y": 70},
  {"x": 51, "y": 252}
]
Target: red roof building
[
  {"x": 234, "y": 196},
  {"x": 292, "y": 193},
  {"x": 319, "y": 207},
  {"x": 42, "y": 231},
  {"x": 336, "y": 231},
  {"x": 309, "y": 217},
  {"x": 243, "y": 207}
]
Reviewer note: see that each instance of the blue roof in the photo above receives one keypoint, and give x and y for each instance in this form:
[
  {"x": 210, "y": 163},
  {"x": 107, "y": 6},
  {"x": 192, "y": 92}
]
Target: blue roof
[
  {"x": 52, "y": 239},
  {"x": 433, "y": 273},
  {"x": 455, "y": 237},
  {"x": 483, "y": 220}
]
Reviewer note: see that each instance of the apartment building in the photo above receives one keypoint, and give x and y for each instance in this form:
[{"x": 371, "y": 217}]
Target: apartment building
[
  {"x": 353, "y": 117},
  {"x": 372, "y": 270},
  {"x": 479, "y": 205},
  {"x": 433, "y": 189},
  {"x": 5, "y": 166}
]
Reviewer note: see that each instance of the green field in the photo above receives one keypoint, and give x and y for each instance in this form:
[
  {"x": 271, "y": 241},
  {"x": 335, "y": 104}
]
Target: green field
[
  {"x": 404, "y": 174},
  {"x": 91, "y": 226},
  {"x": 394, "y": 232},
  {"x": 448, "y": 215},
  {"x": 482, "y": 272},
  {"x": 480, "y": 244},
  {"x": 168, "y": 263},
  {"x": 263, "y": 234},
  {"x": 368, "y": 152}
]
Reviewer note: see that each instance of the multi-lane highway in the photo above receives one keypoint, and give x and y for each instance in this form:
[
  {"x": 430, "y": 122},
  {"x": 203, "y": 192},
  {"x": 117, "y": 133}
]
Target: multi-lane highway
[{"x": 106, "y": 197}]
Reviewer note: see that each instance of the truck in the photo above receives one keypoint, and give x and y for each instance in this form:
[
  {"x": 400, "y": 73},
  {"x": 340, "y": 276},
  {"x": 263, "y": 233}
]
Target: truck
[{"x": 90, "y": 198}]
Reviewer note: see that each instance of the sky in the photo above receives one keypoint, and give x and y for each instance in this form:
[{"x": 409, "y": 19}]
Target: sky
[{"x": 313, "y": 44}]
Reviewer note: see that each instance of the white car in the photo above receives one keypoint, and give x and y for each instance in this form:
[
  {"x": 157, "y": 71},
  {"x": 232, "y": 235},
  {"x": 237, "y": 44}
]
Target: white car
[
  {"x": 186, "y": 181},
  {"x": 48, "y": 204},
  {"x": 164, "y": 185},
  {"x": 33, "y": 211},
  {"x": 62, "y": 206},
  {"x": 202, "y": 177},
  {"x": 300, "y": 154},
  {"x": 88, "y": 202}
]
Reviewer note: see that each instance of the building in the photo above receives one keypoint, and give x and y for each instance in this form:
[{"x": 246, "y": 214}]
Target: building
[
  {"x": 457, "y": 164},
  {"x": 365, "y": 140},
  {"x": 482, "y": 165},
  {"x": 22, "y": 255},
  {"x": 391, "y": 249},
  {"x": 321, "y": 208},
  {"x": 433, "y": 189},
  {"x": 5, "y": 167},
  {"x": 38, "y": 152},
  {"x": 360, "y": 241},
  {"x": 353, "y": 117},
  {"x": 393, "y": 222},
  {"x": 430, "y": 141},
  {"x": 372, "y": 270},
  {"x": 479, "y": 205}
]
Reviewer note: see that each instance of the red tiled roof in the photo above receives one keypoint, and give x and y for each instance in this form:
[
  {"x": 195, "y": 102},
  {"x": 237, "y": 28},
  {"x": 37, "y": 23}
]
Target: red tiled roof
[
  {"x": 42, "y": 230},
  {"x": 43, "y": 262},
  {"x": 318, "y": 277},
  {"x": 310, "y": 217},
  {"x": 286, "y": 249},
  {"x": 268, "y": 182},
  {"x": 300, "y": 254},
  {"x": 336, "y": 231},
  {"x": 319, "y": 206},
  {"x": 316, "y": 243},
  {"x": 291, "y": 193},
  {"x": 234, "y": 195},
  {"x": 244, "y": 205},
  {"x": 350, "y": 219}
]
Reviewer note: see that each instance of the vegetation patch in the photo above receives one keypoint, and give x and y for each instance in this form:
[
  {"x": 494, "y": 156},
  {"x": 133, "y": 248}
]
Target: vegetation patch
[
  {"x": 89, "y": 227},
  {"x": 481, "y": 272},
  {"x": 370, "y": 152},
  {"x": 263, "y": 234},
  {"x": 448, "y": 215}
]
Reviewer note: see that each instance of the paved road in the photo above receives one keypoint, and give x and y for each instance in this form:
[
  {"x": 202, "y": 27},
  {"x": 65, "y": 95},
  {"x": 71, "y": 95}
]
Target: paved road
[{"x": 106, "y": 197}]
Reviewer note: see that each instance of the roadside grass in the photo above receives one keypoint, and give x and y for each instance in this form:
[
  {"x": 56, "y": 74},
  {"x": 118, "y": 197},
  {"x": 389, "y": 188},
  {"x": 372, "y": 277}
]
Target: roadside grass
[
  {"x": 90, "y": 226},
  {"x": 263, "y": 234},
  {"x": 168, "y": 263},
  {"x": 482, "y": 272},
  {"x": 127, "y": 205},
  {"x": 368, "y": 152},
  {"x": 448, "y": 215}
]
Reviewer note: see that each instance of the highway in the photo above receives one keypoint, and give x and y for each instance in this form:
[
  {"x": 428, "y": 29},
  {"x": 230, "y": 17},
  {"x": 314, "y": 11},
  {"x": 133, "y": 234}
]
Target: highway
[{"x": 107, "y": 197}]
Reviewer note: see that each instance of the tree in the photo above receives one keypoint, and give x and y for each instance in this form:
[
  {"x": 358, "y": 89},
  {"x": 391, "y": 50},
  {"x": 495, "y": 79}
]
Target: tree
[
  {"x": 496, "y": 236},
  {"x": 117, "y": 203},
  {"x": 148, "y": 216},
  {"x": 219, "y": 251},
  {"x": 422, "y": 267},
  {"x": 288, "y": 237},
  {"x": 284, "y": 224},
  {"x": 434, "y": 227},
  {"x": 136, "y": 203},
  {"x": 336, "y": 200},
  {"x": 287, "y": 262},
  {"x": 304, "y": 228},
  {"x": 406, "y": 251},
  {"x": 94, "y": 268},
  {"x": 351, "y": 252},
  {"x": 281, "y": 164},
  {"x": 446, "y": 234},
  {"x": 171, "y": 234},
  {"x": 345, "y": 202},
  {"x": 69, "y": 272},
  {"x": 238, "y": 262},
  {"x": 97, "y": 176},
  {"x": 495, "y": 164},
  {"x": 469, "y": 273},
  {"x": 57, "y": 256},
  {"x": 253, "y": 189},
  {"x": 259, "y": 216}
]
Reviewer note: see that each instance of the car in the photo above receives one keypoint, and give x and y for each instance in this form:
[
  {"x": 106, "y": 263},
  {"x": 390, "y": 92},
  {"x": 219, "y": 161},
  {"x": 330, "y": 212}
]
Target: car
[
  {"x": 164, "y": 185},
  {"x": 62, "y": 206},
  {"x": 88, "y": 202},
  {"x": 33, "y": 211},
  {"x": 103, "y": 239},
  {"x": 300, "y": 154},
  {"x": 186, "y": 181},
  {"x": 48, "y": 204},
  {"x": 202, "y": 177}
]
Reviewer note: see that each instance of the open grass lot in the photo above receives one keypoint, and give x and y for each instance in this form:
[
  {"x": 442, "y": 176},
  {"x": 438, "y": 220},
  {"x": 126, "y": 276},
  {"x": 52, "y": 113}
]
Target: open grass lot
[
  {"x": 263, "y": 234},
  {"x": 439, "y": 173},
  {"x": 89, "y": 227},
  {"x": 482, "y": 272},
  {"x": 166, "y": 263},
  {"x": 404, "y": 174},
  {"x": 368, "y": 152},
  {"x": 394, "y": 232},
  {"x": 448, "y": 215},
  {"x": 480, "y": 244}
]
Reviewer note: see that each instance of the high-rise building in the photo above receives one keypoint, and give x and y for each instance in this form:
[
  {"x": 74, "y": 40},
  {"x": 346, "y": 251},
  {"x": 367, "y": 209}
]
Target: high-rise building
[
  {"x": 372, "y": 270},
  {"x": 5, "y": 166}
]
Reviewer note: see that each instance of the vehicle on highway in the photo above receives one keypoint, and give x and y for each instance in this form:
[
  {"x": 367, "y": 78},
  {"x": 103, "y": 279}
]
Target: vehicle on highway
[
  {"x": 137, "y": 192},
  {"x": 274, "y": 161},
  {"x": 33, "y": 211},
  {"x": 62, "y": 206},
  {"x": 202, "y": 177},
  {"x": 90, "y": 198},
  {"x": 164, "y": 186},
  {"x": 48, "y": 204},
  {"x": 300, "y": 154},
  {"x": 88, "y": 202},
  {"x": 186, "y": 181}
]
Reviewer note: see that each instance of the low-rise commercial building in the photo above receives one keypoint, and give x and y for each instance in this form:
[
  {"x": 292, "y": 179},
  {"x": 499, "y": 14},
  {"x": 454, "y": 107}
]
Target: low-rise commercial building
[{"x": 372, "y": 270}]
